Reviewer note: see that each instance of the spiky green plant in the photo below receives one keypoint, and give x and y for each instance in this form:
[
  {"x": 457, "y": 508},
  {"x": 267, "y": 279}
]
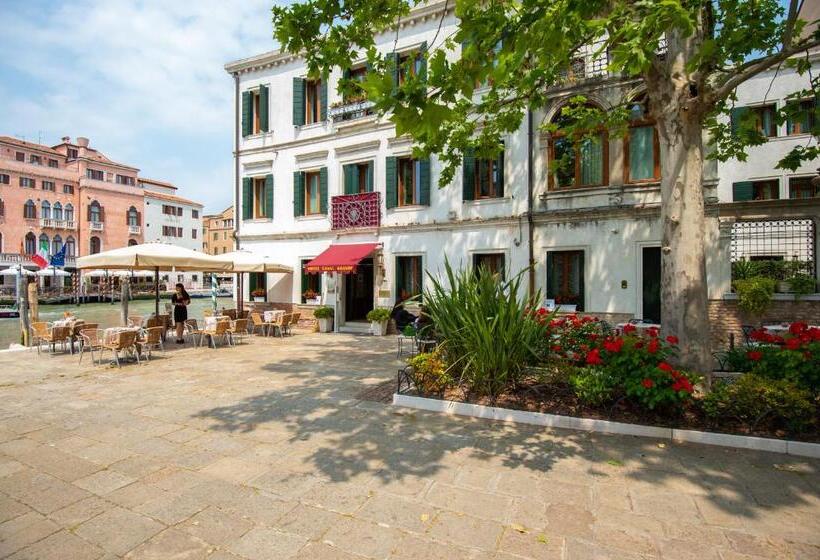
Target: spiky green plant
[{"x": 486, "y": 326}]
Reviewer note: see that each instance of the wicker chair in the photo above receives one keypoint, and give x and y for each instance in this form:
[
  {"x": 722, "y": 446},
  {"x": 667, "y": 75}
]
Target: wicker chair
[
  {"x": 122, "y": 341},
  {"x": 294, "y": 321},
  {"x": 152, "y": 339},
  {"x": 278, "y": 324},
  {"x": 135, "y": 320},
  {"x": 91, "y": 338},
  {"x": 51, "y": 336},
  {"x": 287, "y": 320},
  {"x": 238, "y": 330},
  {"x": 218, "y": 330},
  {"x": 230, "y": 314},
  {"x": 258, "y": 322},
  {"x": 192, "y": 330}
]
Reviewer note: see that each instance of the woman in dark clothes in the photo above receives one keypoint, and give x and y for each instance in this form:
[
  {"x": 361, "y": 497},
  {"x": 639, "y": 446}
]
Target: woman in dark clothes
[{"x": 180, "y": 299}]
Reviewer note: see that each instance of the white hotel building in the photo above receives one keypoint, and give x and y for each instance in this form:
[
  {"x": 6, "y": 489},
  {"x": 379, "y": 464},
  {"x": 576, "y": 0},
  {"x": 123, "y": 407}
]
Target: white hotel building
[{"x": 314, "y": 170}]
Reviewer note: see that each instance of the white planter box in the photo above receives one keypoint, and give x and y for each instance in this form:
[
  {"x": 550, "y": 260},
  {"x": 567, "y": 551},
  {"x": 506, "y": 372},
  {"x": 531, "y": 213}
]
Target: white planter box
[
  {"x": 313, "y": 301},
  {"x": 258, "y": 298},
  {"x": 325, "y": 324},
  {"x": 378, "y": 328}
]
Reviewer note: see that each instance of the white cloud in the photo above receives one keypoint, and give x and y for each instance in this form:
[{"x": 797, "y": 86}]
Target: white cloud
[{"x": 144, "y": 80}]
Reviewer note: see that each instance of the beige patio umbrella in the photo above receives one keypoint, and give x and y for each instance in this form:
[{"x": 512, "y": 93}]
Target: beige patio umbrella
[
  {"x": 156, "y": 257},
  {"x": 248, "y": 261}
]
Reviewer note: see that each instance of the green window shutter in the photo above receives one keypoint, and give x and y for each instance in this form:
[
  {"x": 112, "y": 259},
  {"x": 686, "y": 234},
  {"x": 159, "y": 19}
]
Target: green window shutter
[
  {"x": 369, "y": 178},
  {"x": 483, "y": 175},
  {"x": 323, "y": 190},
  {"x": 269, "y": 197},
  {"x": 347, "y": 171},
  {"x": 423, "y": 62},
  {"x": 424, "y": 172},
  {"x": 298, "y": 193},
  {"x": 500, "y": 190},
  {"x": 742, "y": 190},
  {"x": 391, "y": 182},
  {"x": 263, "y": 108},
  {"x": 246, "y": 113},
  {"x": 468, "y": 174},
  {"x": 323, "y": 99},
  {"x": 737, "y": 115},
  {"x": 394, "y": 67},
  {"x": 247, "y": 198},
  {"x": 298, "y": 101}
]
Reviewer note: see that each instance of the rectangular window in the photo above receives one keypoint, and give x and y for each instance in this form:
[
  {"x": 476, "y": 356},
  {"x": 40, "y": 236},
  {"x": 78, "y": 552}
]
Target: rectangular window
[
  {"x": 194, "y": 277},
  {"x": 408, "y": 68},
  {"x": 313, "y": 195},
  {"x": 68, "y": 189},
  {"x": 803, "y": 119},
  {"x": 72, "y": 153},
  {"x": 494, "y": 262},
  {"x": 194, "y": 213},
  {"x": 95, "y": 174},
  {"x": 29, "y": 211},
  {"x": 27, "y": 182},
  {"x": 20, "y": 156},
  {"x": 579, "y": 164},
  {"x": 801, "y": 187},
  {"x": 643, "y": 158},
  {"x": 487, "y": 178},
  {"x": 193, "y": 234},
  {"x": 408, "y": 277},
  {"x": 259, "y": 209},
  {"x": 53, "y": 163},
  {"x": 313, "y": 101},
  {"x": 766, "y": 190},
  {"x": 36, "y": 160},
  {"x": 216, "y": 236},
  {"x": 765, "y": 120},
  {"x": 409, "y": 171},
  {"x": 311, "y": 283},
  {"x": 565, "y": 278},
  {"x": 125, "y": 180},
  {"x": 47, "y": 185},
  {"x": 4, "y": 179}
]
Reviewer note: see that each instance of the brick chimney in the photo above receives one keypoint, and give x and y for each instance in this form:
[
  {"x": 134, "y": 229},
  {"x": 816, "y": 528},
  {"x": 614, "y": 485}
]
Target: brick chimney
[{"x": 82, "y": 142}]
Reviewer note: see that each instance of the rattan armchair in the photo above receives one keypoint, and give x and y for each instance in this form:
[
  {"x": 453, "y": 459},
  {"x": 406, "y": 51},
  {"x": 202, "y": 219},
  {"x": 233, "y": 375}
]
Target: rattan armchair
[
  {"x": 41, "y": 332},
  {"x": 238, "y": 330},
  {"x": 211, "y": 332},
  {"x": 91, "y": 338},
  {"x": 150, "y": 340},
  {"x": 122, "y": 341}
]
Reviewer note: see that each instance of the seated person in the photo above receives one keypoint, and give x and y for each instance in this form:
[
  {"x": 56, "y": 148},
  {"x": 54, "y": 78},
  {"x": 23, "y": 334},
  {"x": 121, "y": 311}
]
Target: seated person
[{"x": 402, "y": 317}]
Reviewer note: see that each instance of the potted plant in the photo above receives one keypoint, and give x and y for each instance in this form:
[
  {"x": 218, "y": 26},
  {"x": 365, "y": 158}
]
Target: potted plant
[
  {"x": 312, "y": 297},
  {"x": 754, "y": 295},
  {"x": 802, "y": 284},
  {"x": 258, "y": 294},
  {"x": 378, "y": 318},
  {"x": 324, "y": 316}
]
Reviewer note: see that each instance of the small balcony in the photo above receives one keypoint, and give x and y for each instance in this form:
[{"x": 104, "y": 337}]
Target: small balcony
[
  {"x": 57, "y": 224},
  {"x": 96, "y": 226},
  {"x": 134, "y": 230},
  {"x": 351, "y": 110},
  {"x": 349, "y": 211}
]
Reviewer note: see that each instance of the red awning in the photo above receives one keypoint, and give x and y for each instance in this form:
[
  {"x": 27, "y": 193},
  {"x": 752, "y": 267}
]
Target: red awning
[{"x": 341, "y": 258}]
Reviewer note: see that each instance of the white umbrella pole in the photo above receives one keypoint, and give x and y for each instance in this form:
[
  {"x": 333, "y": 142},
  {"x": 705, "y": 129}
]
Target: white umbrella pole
[
  {"x": 156, "y": 291},
  {"x": 213, "y": 290}
]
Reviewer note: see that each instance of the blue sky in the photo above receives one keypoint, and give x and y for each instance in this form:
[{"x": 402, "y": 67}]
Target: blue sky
[{"x": 144, "y": 80}]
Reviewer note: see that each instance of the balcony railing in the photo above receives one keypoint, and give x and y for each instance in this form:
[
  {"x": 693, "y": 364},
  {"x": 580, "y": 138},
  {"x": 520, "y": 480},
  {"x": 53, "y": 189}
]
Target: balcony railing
[
  {"x": 57, "y": 224},
  {"x": 351, "y": 111},
  {"x": 8, "y": 259},
  {"x": 96, "y": 226},
  {"x": 356, "y": 210},
  {"x": 134, "y": 230}
]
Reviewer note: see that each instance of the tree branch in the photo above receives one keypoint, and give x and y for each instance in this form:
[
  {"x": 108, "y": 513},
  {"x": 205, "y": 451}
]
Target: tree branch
[
  {"x": 755, "y": 67},
  {"x": 791, "y": 19}
]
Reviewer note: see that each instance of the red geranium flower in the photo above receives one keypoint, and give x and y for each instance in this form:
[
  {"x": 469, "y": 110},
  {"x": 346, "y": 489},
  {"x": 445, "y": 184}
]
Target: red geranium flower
[
  {"x": 594, "y": 357},
  {"x": 629, "y": 328},
  {"x": 798, "y": 327},
  {"x": 683, "y": 384},
  {"x": 556, "y": 348},
  {"x": 754, "y": 355},
  {"x": 813, "y": 333},
  {"x": 648, "y": 383},
  {"x": 663, "y": 366},
  {"x": 653, "y": 346},
  {"x": 639, "y": 345},
  {"x": 652, "y": 332},
  {"x": 793, "y": 343},
  {"x": 672, "y": 339},
  {"x": 614, "y": 346}
]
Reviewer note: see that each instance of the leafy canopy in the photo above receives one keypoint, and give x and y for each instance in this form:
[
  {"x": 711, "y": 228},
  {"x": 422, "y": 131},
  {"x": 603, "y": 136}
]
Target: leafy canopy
[{"x": 510, "y": 55}]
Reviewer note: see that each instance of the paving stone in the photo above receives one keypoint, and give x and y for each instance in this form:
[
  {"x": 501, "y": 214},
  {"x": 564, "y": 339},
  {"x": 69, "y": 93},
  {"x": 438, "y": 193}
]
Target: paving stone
[
  {"x": 10, "y": 466},
  {"x": 215, "y": 526},
  {"x": 532, "y": 544},
  {"x": 59, "y": 546},
  {"x": 569, "y": 520},
  {"x": 10, "y": 508},
  {"x": 137, "y": 466},
  {"x": 754, "y": 545},
  {"x": 676, "y": 549},
  {"x": 466, "y": 531},
  {"x": 624, "y": 538},
  {"x": 104, "y": 482},
  {"x": 104, "y": 454},
  {"x": 288, "y": 485},
  {"x": 308, "y": 521},
  {"x": 41, "y": 491},
  {"x": 172, "y": 508},
  {"x": 22, "y": 531},
  {"x": 234, "y": 470},
  {"x": 363, "y": 538},
  {"x": 323, "y": 551},
  {"x": 264, "y": 544},
  {"x": 667, "y": 506},
  {"x": 172, "y": 544},
  {"x": 335, "y": 496},
  {"x": 471, "y": 502},
  {"x": 583, "y": 550},
  {"x": 64, "y": 466},
  {"x": 414, "y": 547},
  {"x": 118, "y": 530},
  {"x": 80, "y": 512},
  {"x": 135, "y": 494},
  {"x": 401, "y": 513}
]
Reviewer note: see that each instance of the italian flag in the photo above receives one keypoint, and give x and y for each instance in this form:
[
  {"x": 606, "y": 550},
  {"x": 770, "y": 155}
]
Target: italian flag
[{"x": 41, "y": 258}]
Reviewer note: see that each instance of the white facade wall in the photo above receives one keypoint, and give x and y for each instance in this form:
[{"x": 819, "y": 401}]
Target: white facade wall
[{"x": 154, "y": 220}]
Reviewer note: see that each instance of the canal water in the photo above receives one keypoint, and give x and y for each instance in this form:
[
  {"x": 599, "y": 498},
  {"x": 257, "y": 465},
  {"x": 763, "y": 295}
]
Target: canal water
[{"x": 106, "y": 314}]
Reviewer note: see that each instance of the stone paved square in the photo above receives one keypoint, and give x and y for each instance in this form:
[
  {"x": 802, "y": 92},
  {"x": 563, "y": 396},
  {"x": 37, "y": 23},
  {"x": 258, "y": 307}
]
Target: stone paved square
[{"x": 268, "y": 451}]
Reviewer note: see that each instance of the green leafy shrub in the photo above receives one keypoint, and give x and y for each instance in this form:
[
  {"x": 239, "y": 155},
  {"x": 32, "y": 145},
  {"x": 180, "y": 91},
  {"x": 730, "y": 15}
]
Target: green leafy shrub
[
  {"x": 323, "y": 312},
  {"x": 754, "y": 295},
  {"x": 429, "y": 372},
  {"x": 378, "y": 314},
  {"x": 794, "y": 357},
  {"x": 487, "y": 327},
  {"x": 802, "y": 284},
  {"x": 593, "y": 386},
  {"x": 759, "y": 402},
  {"x": 743, "y": 270},
  {"x": 737, "y": 359}
]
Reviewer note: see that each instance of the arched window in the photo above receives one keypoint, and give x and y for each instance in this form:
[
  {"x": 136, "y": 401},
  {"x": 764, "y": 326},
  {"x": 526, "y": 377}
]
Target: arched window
[
  {"x": 30, "y": 210},
  {"x": 132, "y": 242},
  {"x": 31, "y": 244},
  {"x": 578, "y": 163},
  {"x": 43, "y": 240},
  {"x": 56, "y": 244},
  {"x": 95, "y": 245},
  {"x": 45, "y": 210},
  {"x": 642, "y": 158},
  {"x": 133, "y": 217},
  {"x": 69, "y": 212},
  {"x": 57, "y": 211},
  {"x": 94, "y": 212},
  {"x": 70, "y": 247}
]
